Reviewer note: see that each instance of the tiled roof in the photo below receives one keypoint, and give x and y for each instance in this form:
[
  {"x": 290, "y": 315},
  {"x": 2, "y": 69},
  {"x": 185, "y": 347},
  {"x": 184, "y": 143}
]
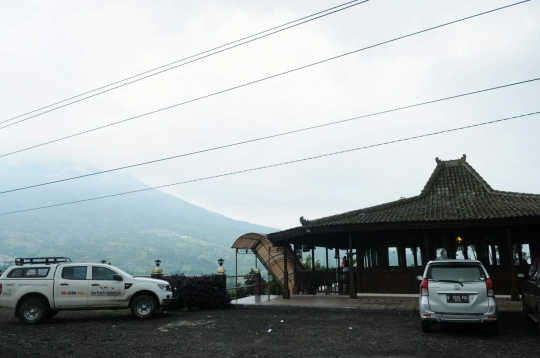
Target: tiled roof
[{"x": 455, "y": 191}]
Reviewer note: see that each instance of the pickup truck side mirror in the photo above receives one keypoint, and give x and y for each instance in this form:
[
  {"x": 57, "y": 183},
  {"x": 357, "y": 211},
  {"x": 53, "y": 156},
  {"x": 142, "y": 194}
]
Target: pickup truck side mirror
[{"x": 118, "y": 278}]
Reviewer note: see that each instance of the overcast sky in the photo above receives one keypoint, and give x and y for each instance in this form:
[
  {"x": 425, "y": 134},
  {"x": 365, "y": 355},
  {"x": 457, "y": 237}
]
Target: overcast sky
[{"x": 52, "y": 50}]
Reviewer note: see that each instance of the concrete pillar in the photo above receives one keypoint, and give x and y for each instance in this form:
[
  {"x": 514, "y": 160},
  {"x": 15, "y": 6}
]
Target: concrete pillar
[
  {"x": 221, "y": 274},
  {"x": 157, "y": 272},
  {"x": 257, "y": 281}
]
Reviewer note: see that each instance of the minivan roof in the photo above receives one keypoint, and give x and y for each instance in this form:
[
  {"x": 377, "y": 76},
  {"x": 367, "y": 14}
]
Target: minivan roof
[{"x": 454, "y": 261}]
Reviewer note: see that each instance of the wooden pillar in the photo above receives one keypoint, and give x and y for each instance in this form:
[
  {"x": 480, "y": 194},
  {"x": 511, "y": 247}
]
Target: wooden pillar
[
  {"x": 286, "y": 293},
  {"x": 296, "y": 279},
  {"x": 415, "y": 251},
  {"x": 312, "y": 258},
  {"x": 514, "y": 292},
  {"x": 452, "y": 247},
  {"x": 326, "y": 258},
  {"x": 359, "y": 265},
  {"x": 427, "y": 247},
  {"x": 534, "y": 242},
  {"x": 479, "y": 248},
  {"x": 338, "y": 271},
  {"x": 380, "y": 254},
  {"x": 352, "y": 288},
  {"x": 533, "y": 237},
  {"x": 402, "y": 259}
]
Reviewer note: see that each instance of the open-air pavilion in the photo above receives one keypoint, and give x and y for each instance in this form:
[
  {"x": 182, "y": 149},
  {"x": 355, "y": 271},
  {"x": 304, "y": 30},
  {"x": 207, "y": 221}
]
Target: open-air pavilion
[{"x": 457, "y": 215}]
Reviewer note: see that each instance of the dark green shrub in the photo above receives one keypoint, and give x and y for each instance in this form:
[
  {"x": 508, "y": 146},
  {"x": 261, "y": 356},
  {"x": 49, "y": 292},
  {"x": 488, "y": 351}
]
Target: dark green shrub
[{"x": 198, "y": 292}]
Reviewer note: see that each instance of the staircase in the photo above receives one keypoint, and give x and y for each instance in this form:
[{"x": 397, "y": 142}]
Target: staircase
[{"x": 271, "y": 257}]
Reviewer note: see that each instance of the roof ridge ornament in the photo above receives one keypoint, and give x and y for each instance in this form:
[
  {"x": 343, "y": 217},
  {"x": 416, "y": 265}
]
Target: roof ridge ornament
[
  {"x": 303, "y": 221},
  {"x": 463, "y": 159}
]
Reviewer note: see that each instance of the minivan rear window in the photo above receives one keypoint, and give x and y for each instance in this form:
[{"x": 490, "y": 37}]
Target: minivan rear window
[{"x": 461, "y": 273}]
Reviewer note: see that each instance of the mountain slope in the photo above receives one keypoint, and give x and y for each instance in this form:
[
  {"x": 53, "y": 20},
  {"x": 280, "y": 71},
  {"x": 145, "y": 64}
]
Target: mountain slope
[{"x": 125, "y": 229}]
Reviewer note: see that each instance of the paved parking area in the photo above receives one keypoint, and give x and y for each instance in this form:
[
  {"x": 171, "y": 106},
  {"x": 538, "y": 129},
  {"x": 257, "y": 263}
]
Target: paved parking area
[
  {"x": 261, "y": 333},
  {"x": 403, "y": 304}
]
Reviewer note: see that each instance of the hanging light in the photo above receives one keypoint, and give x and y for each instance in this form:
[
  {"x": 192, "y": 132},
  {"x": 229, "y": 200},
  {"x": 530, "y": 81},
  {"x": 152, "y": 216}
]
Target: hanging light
[
  {"x": 336, "y": 256},
  {"x": 459, "y": 240}
]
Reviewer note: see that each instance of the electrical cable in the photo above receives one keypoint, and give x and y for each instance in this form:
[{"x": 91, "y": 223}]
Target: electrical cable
[
  {"x": 184, "y": 59},
  {"x": 277, "y": 164},
  {"x": 262, "y": 79},
  {"x": 271, "y": 136}
]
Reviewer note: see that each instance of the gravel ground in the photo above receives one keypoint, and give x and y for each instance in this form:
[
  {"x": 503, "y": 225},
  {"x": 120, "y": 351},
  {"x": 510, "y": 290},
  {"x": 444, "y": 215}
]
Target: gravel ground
[{"x": 245, "y": 333}]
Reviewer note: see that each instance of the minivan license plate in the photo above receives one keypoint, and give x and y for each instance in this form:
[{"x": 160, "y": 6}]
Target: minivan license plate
[{"x": 457, "y": 298}]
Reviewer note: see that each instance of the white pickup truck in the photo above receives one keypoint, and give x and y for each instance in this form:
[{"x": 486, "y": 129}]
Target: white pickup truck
[{"x": 38, "y": 288}]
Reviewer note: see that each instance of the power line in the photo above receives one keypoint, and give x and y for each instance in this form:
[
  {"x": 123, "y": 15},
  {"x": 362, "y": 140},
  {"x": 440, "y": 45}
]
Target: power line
[
  {"x": 184, "y": 59},
  {"x": 278, "y": 164},
  {"x": 260, "y": 80},
  {"x": 271, "y": 136}
]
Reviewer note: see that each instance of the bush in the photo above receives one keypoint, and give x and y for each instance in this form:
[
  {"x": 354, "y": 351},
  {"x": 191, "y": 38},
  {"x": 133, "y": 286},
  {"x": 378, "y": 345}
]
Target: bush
[{"x": 198, "y": 292}]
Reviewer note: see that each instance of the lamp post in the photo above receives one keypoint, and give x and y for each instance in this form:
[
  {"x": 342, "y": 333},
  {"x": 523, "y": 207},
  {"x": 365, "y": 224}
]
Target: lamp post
[
  {"x": 157, "y": 262},
  {"x": 103, "y": 262}
]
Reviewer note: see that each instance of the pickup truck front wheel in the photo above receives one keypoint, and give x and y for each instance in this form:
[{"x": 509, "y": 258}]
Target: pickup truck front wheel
[
  {"x": 32, "y": 311},
  {"x": 144, "y": 306}
]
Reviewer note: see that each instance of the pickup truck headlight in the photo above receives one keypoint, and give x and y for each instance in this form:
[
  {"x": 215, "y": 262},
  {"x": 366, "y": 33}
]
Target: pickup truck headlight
[{"x": 164, "y": 287}]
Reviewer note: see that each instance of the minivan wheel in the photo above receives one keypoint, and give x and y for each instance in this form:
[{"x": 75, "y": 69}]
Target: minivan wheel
[{"x": 426, "y": 326}]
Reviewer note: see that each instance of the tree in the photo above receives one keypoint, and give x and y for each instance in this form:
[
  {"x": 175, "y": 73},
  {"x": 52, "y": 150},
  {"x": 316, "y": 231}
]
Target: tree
[
  {"x": 249, "y": 280},
  {"x": 307, "y": 264},
  {"x": 240, "y": 292}
]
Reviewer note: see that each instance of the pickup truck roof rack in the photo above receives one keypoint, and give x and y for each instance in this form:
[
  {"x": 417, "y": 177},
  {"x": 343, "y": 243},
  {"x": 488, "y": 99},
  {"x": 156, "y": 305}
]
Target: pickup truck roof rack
[{"x": 19, "y": 261}]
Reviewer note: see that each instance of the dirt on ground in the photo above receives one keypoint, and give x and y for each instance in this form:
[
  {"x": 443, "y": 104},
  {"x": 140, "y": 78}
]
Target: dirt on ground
[{"x": 259, "y": 333}]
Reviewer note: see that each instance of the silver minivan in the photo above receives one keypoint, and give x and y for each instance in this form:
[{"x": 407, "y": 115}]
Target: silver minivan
[{"x": 457, "y": 291}]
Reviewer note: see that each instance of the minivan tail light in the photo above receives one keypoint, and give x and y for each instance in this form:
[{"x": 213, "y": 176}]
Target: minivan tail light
[
  {"x": 489, "y": 287},
  {"x": 424, "y": 287}
]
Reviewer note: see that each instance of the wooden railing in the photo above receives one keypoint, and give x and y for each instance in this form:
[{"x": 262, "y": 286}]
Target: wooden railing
[
  {"x": 256, "y": 283},
  {"x": 329, "y": 282}
]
